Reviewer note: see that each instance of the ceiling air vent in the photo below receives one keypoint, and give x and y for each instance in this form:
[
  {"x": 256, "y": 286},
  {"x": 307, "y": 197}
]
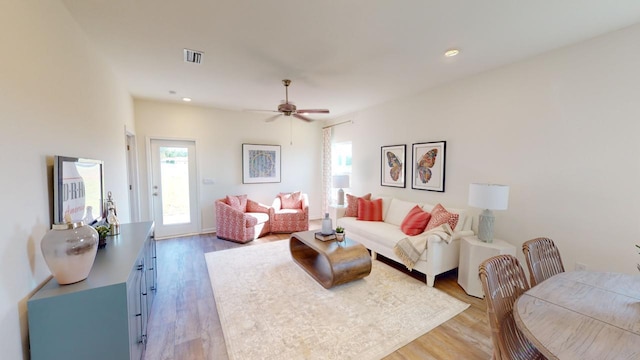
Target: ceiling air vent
[{"x": 193, "y": 56}]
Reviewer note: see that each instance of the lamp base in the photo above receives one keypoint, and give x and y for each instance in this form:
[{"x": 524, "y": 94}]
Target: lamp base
[
  {"x": 485, "y": 227},
  {"x": 340, "y": 197}
]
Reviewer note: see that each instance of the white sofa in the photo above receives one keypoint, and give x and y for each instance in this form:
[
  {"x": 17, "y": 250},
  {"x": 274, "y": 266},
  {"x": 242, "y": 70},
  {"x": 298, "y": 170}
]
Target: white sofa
[{"x": 381, "y": 236}]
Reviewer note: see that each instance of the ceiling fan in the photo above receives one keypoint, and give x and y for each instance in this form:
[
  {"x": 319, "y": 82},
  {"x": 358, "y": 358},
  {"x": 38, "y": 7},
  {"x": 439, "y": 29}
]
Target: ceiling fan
[{"x": 289, "y": 109}]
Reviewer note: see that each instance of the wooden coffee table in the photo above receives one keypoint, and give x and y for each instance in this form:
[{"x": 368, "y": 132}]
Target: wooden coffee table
[{"x": 329, "y": 262}]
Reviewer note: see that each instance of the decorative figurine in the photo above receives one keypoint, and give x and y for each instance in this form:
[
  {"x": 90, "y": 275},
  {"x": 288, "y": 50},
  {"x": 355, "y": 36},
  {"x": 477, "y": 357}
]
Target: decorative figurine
[{"x": 112, "y": 218}]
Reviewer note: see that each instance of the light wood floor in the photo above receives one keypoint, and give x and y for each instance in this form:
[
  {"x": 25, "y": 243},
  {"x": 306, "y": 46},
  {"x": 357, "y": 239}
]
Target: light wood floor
[{"x": 184, "y": 322}]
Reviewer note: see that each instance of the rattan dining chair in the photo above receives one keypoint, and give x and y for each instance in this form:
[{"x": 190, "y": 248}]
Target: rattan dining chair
[
  {"x": 543, "y": 259},
  {"x": 503, "y": 280}
]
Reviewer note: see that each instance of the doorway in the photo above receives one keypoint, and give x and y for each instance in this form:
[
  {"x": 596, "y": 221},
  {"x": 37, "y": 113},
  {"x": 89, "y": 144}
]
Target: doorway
[
  {"x": 174, "y": 187},
  {"x": 132, "y": 177}
]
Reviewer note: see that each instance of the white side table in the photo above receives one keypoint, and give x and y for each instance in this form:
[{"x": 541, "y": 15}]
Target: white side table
[
  {"x": 336, "y": 211},
  {"x": 472, "y": 253}
]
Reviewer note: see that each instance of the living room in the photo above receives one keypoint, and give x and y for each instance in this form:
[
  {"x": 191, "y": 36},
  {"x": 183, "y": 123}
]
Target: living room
[{"x": 556, "y": 127}]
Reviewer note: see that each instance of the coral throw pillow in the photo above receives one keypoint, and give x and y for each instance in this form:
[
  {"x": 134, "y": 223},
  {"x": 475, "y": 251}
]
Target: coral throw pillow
[
  {"x": 369, "y": 210},
  {"x": 291, "y": 201},
  {"x": 440, "y": 215},
  {"x": 238, "y": 202},
  {"x": 352, "y": 204},
  {"x": 415, "y": 222}
]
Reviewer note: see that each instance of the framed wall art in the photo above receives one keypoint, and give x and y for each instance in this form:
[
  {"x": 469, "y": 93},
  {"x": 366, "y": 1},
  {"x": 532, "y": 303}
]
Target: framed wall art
[
  {"x": 260, "y": 164},
  {"x": 428, "y": 166},
  {"x": 392, "y": 165}
]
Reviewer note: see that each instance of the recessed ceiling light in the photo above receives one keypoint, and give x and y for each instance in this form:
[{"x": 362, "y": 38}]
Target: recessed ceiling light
[
  {"x": 186, "y": 99},
  {"x": 451, "y": 52}
]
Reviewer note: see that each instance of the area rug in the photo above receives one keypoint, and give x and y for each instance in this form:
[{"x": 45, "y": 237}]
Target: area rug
[{"x": 270, "y": 308}]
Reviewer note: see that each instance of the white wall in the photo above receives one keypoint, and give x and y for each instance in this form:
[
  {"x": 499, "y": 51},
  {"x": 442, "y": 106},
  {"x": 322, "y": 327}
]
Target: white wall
[
  {"x": 562, "y": 129},
  {"x": 219, "y": 135},
  {"x": 56, "y": 97}
]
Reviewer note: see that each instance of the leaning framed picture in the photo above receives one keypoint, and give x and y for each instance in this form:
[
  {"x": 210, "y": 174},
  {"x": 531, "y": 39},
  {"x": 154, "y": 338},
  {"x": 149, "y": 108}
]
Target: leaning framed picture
[
  {"x": 428, "y": 166},
  {"x": 392, "y": 165},
  {"x": 260, "y": 164}
]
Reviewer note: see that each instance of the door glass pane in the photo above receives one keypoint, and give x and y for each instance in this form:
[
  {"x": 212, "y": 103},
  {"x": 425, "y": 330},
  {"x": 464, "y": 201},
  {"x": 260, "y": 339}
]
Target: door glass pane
[{"x": 174, "y": 174}]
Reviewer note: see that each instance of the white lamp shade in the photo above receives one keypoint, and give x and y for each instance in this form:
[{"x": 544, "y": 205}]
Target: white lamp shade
[
  {"x": 489, "y": 196},
  {"x": 341, "y": 181}
]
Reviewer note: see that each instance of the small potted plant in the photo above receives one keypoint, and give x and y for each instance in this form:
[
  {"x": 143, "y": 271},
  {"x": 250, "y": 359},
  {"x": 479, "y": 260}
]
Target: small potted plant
[
  {"x": 103, "y": 231},
  {"x": 340, "y": 233}
]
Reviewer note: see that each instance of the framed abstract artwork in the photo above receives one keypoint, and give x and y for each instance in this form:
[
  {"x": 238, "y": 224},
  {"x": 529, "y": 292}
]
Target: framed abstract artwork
[
  {"x": 428, "y": 166},
  {"x": 260, "y": 164},
  {"x": 392, "y": 165}
]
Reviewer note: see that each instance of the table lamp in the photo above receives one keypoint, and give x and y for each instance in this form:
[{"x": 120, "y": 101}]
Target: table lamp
[
  {"x": 341, "y": 181},
  {"x": 488, "y": 197}
]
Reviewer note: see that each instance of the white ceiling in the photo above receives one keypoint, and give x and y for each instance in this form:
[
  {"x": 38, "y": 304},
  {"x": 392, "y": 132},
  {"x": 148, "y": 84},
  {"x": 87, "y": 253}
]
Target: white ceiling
[{"x": 344, "y": 55}]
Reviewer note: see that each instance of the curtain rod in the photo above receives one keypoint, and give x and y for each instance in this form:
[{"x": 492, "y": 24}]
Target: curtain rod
[{"x": 340, "y": 123}]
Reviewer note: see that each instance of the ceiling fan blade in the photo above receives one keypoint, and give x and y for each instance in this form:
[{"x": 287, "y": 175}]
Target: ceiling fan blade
[
  {"x": 313, "y": 111},
  {"x": 272, "y": 118},
  {"x": 260, "y": 110},
  {"x": 302, "y": 117}
]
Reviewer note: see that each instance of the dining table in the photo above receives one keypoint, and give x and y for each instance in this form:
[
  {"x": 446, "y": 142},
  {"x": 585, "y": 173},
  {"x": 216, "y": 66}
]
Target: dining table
[{"x": 582, "y": 315}]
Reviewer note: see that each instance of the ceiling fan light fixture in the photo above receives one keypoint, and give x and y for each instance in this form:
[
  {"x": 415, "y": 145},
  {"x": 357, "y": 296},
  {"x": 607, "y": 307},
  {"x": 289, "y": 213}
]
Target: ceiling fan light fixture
[
  {"x": 287, "y": 108},
  {"x": 451, "y": 52}
]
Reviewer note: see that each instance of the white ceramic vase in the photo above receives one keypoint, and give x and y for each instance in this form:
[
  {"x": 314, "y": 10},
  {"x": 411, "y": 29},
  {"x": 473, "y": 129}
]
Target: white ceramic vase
[{"x": 70, "y": 250}]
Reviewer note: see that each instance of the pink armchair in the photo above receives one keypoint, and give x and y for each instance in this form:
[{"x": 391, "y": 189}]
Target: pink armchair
[
  {"x": 289, "y": 213},
  {"x": 241, "y": 220}
]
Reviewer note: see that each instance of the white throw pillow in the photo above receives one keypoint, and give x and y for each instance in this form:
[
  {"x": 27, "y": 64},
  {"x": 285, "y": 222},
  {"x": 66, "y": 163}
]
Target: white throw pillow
[
  {"x": 462, "y": 220},
  {"x": 398, "y": 210},
  {"x": 386, "y": 202},
  {"x": 428, "y": 208}
]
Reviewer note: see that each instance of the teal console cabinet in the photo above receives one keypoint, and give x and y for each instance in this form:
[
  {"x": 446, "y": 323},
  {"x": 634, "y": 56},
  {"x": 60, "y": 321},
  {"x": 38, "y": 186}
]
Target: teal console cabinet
[{"x": 105, "y": 315}]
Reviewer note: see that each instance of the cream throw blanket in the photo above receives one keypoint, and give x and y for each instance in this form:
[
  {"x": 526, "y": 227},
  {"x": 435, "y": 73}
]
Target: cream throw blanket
[{"x": 410, "y": 248}]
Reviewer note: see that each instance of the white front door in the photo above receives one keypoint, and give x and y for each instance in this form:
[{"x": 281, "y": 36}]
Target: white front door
[{"x": 173, "y": 187}]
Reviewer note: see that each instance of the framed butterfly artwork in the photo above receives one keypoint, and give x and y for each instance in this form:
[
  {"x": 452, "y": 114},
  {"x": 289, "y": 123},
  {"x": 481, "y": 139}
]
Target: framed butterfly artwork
[
  {"x": 393, "y": 164},
  {"x": 428, "y": 166}
]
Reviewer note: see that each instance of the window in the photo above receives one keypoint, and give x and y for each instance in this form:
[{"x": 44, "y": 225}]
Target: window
[{"x": 340, "y": 164}]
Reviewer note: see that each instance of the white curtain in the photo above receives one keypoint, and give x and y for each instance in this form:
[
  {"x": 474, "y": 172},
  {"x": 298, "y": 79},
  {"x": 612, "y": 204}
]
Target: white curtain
[{"x": 326, "y": 168}]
